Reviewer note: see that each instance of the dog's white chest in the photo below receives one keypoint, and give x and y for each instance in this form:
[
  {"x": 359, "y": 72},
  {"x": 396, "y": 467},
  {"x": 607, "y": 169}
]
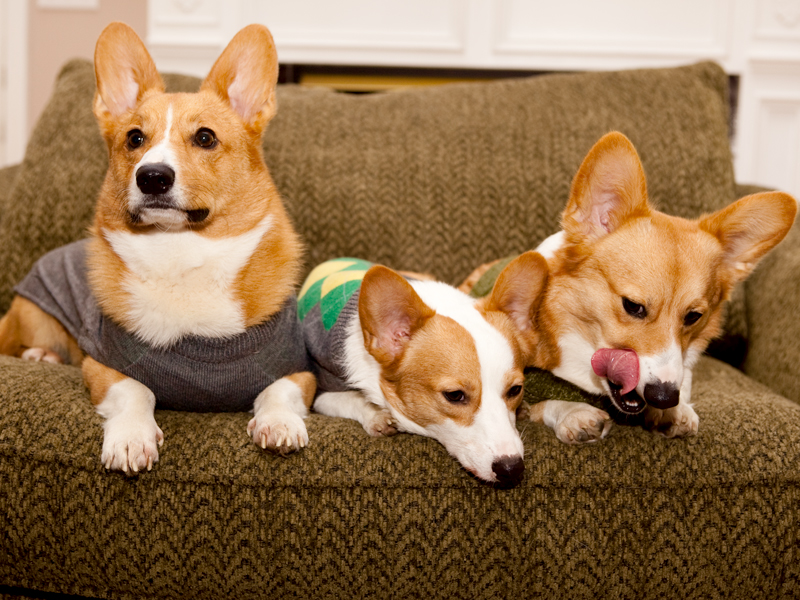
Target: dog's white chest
[{"x": 182, "y": 283}]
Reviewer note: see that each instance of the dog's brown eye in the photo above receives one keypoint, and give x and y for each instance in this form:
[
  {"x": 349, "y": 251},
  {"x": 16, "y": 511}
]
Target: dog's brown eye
[
  {"x": 205, "y": 138},
  {"x": 692, "y": 318},
  {"x": 514, "y": 391},
  {"x": 135, "y": 139},
  {"x": 455, "y": 396},
  {"x": 634, "y": 309}
]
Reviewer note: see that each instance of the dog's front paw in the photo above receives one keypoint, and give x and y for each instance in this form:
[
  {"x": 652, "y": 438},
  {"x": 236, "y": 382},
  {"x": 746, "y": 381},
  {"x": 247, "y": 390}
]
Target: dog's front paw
[
  {"x": 572, "y": 422},
  {"x": 41, "y": 355},
  {"x": 131, "y": 444},
  {"x": 680, "y": 421},
  {"x": 280, "y": 431},
  {"x": 381, "y": 423}
]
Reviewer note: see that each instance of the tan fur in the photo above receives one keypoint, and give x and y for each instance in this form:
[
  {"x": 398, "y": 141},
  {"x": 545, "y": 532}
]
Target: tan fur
[
  {"x": 441, "y": 357},
  {"x": 423, "y": 354},
  {"x": 671, "y": 265},
  {"x": 231, "y": 182},
  {"x": 515, "y": 300},
  {"x": 307, "y": 384},
  {"x": 25, "y": 326},
  {"x": 99, "y": 378}
]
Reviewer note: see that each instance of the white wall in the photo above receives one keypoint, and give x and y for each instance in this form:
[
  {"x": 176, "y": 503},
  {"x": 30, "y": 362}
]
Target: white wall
[{"x": 756, "y": 39}]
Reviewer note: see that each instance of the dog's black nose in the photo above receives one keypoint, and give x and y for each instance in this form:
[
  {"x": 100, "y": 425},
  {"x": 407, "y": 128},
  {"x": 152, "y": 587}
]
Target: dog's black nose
[
  {"x": 155, "y": 179},
  {"x": 662, "y": 395},
  {"x": 508, "y": 470}
]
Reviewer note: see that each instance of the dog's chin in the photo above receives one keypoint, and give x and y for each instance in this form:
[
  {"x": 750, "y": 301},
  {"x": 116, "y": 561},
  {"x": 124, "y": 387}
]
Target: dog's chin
[
  {"x": 167, "y": 218},
  {"x": 629, "y": 404}
]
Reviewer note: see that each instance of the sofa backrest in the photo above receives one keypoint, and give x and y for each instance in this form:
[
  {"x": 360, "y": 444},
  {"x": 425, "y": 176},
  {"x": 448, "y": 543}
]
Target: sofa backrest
[{"x": 437, "y": 179}]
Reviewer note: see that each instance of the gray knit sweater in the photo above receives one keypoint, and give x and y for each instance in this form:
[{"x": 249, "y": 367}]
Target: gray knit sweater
[{"x": 195, "y": 373}]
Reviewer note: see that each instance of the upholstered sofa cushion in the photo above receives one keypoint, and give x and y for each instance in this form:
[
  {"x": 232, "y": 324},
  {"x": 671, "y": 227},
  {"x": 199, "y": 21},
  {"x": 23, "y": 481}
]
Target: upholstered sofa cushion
[{"x": 636, "y": 516}]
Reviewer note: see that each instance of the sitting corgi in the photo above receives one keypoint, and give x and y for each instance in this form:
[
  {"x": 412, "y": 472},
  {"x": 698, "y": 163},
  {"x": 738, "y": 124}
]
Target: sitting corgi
[
  {"x": 635, "y": 295},
  {"x": 183, "y": 296},
  {"x": 422, "y": 357}
]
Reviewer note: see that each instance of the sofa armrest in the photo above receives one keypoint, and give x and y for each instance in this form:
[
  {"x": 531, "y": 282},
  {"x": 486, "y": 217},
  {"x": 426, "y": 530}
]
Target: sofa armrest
[
  {"x": 7, "y": 177},
  {"x": 773, "y": 298}
]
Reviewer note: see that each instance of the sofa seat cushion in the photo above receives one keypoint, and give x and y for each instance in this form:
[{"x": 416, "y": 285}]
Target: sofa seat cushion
[{"x": 635, "y": 516}]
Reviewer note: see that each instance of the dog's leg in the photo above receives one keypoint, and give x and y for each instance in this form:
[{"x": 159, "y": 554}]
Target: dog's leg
[
  {"x": 279, "y": 411},
  {"x": 27, "y": 332},
  {"x": 354, "y": 405},
  {"x": 679, "y": 421},
  {"x": 131, "y": 434},
  {"x": 573, "y": 422}
]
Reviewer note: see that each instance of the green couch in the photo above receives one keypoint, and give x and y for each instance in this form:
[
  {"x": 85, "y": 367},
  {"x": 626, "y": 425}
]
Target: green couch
[{"x": 439, "y": 179}]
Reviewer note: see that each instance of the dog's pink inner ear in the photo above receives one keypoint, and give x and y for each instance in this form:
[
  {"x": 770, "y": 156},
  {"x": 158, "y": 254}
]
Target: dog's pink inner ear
[
  {"x": 246, "y": 74},
  {"x": 390, "y": 312},
  {"x": 751, "y": 227},
  {"x": 519, "y": 288},
  {"x": 609, "y": 188},
  {"x": 124, "y": 70}
]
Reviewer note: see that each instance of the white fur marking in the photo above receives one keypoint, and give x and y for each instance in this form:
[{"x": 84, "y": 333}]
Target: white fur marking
[
  {"x": 277, "y": 423},
  {"x": 132, "y": 436},
  {"x": 576, "y": 364},
  {"x": 493, "y": 432},
  {"x": 665, "y": 367},
  {"x": 181, "y": 283},
  {"x": 551, "y": 245}
]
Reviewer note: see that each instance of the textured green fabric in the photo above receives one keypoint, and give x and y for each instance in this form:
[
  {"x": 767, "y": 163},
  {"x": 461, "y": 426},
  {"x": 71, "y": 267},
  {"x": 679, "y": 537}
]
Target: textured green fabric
[
  {"x": 438, "y": 180},
  {"x": 715, "y": 516}
]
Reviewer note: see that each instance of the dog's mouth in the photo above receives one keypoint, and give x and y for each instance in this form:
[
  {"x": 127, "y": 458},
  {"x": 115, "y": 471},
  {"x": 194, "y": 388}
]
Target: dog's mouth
[
  {"x": 630, "y": 403},
  {"x": 620, "y": 368},
  {"x": 156, "y": 210}
]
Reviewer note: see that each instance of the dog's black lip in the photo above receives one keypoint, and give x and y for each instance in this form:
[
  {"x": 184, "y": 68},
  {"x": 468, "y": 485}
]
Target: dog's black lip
[
  {"x": 630, "y": 403},
  {"x": 195, "y": 216}
]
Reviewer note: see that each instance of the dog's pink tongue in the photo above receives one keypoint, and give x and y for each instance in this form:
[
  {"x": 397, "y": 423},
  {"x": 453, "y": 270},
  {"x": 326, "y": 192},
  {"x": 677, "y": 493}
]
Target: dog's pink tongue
[{"x": 620, "y": 367}]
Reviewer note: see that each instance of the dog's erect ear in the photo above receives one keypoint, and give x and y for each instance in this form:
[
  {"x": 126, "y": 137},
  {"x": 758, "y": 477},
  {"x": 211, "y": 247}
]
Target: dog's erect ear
[
  {"x": 246, "y": 74},
  {"x": 390, "y": 312},
  {"x": 519, "y": 289},
  {"x": 609, "y": 188},
  {"x": 124, "y": 71},
  {"x": 749, "y": 228}
]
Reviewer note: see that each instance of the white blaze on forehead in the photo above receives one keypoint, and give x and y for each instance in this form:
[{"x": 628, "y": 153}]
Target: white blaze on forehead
[
  {"x": 551, "y": 245},
  {"x": 162, "y": 151}
]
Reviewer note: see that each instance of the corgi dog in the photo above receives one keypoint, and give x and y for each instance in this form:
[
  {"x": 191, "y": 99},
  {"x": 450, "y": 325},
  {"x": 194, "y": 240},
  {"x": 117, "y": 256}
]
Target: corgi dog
[
  {"x": 183, "y": 296},
  {"x": 419, "y": 356},
  {"x": 635, "y": 296}
]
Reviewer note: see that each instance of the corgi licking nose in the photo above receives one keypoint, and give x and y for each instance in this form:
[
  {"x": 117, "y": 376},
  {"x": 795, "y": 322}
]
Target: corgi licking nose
[
  {"x": 625, "y": 276},
  {"x": 183, "y": 296},
  {"x": 636, "y": 295}
]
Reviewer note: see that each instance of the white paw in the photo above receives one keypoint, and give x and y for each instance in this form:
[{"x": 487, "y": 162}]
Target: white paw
[
  {"x": 581, "y": 424},
  {"x": 680, "y": 421},
  {"x": 41, "y": 355},
  {"x": 279, "y": 430},
  {"x": 380, "y": 423},
  {"x": 131, "y": 444}
]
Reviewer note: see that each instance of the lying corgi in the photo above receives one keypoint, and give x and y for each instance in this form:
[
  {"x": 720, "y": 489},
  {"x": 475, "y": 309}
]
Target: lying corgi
[
  {"x": 635, "y": 295},
  {"x": 422, "y": 357},
  {"x": 183, "y": 296}
]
